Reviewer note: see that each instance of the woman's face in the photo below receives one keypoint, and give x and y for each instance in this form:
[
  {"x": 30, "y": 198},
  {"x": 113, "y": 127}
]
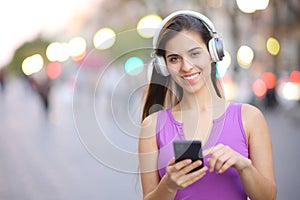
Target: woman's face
[{"x": 188, "y": 60}]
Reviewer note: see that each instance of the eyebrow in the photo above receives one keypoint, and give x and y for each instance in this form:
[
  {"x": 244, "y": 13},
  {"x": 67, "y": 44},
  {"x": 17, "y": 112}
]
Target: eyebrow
[
  {"x": 195, "y": 48},
  {"x": 173, "y": 54},
  {"x": 192, "y": 49}
]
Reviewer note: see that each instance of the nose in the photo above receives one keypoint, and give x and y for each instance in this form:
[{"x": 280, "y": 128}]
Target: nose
[{"x": 186, "y": 65}]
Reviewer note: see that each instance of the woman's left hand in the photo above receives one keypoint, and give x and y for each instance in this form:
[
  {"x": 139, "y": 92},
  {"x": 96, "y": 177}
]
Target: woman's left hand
[{"x": 223, "y": 157}]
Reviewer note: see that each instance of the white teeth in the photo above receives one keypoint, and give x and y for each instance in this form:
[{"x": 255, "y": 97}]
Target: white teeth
[{"x": 191, "y": 77}]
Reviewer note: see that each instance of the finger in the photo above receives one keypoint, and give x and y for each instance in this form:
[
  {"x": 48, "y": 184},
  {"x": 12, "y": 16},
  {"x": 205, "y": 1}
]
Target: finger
[
  {"x": 170, "y": 167},
  {"x": 171, "y": 162},
  {"x": 214, "y": 158},
  {"x": 181, "y": 164},
  {"x": 230, "y": 162},
  {"x": 192, "y": 166},
  {"x": 222, "y": 160},
  {"x": 193, "y": 177}
]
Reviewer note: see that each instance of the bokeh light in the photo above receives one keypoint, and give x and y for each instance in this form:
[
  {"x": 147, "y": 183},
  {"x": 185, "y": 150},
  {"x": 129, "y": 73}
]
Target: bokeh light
[
  {"x": 32, "y": 64},
  {"x": 223, "y": 65},
  {"x": 246, "y": 6},
  {"x": 52, "y": 51},
  {"x": 77, "y": 47},
  {"x": 104, "y": 38},
  {"x": 259, "y": 88},
  {"x": 295, "y": 77},
  {"x": 250, "y": 6},
  {"x": 245, "y": 56},
  {"x": 273, "y": 46},
  {"x": 146, "y": 27},
  {"x": 270, "y": 79},
  {"x": 53, "y": 70},
  {"x": 57, "y": 51},
  {"x": 134, "y": 66},
  {"x": 290, "y": 91}
]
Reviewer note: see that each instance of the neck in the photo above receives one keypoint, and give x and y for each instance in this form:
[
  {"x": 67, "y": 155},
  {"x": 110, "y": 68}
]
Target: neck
[{"x": 204, "y": 100}]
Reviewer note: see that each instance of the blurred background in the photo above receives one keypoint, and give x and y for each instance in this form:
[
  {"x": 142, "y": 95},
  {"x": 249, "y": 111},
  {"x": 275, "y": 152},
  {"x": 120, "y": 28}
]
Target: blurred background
[{"x": 72, "y": 77}]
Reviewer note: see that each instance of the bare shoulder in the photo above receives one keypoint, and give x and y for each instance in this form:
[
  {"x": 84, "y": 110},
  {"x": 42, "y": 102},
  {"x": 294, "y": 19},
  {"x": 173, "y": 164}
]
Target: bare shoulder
[
  {"x": 253, "y": 119},
  {"x": 147, "y": 139},
  {"x": 149, "y": 125},
  {"x": 250, "y": 111}
]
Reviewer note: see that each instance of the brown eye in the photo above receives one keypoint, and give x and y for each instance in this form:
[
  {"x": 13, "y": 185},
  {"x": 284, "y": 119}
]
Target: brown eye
[
  {"x": 195, "y": 54},
  {"x": 174, "y": 59}
]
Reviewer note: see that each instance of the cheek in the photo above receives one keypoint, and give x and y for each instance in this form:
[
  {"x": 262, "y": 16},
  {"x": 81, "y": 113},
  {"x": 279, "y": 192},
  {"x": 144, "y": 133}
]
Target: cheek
[
  {"x": 204, "y": 61},
  {"x": 173, "y": 68}
]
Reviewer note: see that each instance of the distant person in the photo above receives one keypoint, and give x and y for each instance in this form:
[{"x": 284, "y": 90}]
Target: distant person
[
  {"x": 238, "y": 161},
  {"x": 2, "y": 79},
  {"x": 42, "y": 88}
]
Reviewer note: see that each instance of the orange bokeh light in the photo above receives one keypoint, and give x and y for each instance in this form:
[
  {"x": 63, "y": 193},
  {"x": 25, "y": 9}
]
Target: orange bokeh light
[
  {"x": 53, "y": 70},
  {"x": 295, "y": 77},
  {"x": 259, "y": 88},
  {"x": 270, "y": 80}
]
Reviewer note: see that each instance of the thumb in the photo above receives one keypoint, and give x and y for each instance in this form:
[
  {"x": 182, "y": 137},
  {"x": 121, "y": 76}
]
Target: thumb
[{"x": 172, "y": 161}]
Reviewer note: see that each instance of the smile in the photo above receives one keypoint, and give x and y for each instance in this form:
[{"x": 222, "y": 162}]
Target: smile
[{"x": 191, "y": 76}]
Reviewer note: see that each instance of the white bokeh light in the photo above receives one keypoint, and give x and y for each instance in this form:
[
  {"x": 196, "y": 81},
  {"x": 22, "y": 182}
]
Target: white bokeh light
[
  {"x": 147, "y": 26},
  {"x": 104, "y": 38}
]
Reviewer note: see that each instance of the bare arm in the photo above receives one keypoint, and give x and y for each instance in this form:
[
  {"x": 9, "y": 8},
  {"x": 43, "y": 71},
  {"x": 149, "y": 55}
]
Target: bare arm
[
  {"x": 258, "y": 179},
  {"x": 148, "y": 154},
  {"x": 256, "y": 173},
  {"x": 176, "y": 177}
]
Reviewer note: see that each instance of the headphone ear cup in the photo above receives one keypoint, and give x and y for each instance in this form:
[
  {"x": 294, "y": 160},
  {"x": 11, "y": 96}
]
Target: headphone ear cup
[
  {"x": 216, "y": 49},
  {"x": 161, "y": 66}
]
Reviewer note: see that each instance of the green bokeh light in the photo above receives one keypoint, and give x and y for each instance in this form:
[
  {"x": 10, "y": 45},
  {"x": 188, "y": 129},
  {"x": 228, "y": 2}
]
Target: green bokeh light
[{"x": 134, "y": 66}]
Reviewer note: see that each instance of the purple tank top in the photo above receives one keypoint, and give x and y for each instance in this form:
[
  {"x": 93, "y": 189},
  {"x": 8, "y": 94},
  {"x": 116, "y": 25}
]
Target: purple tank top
[{"x": 228, "y": 130}]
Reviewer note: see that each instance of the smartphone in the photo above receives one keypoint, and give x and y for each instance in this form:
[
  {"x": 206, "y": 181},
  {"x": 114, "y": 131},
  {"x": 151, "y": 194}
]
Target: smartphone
[{"x": 188, "y": 149}]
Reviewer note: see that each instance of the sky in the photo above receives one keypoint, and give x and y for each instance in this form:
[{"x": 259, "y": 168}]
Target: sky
[{"x": 21, "y": 21}]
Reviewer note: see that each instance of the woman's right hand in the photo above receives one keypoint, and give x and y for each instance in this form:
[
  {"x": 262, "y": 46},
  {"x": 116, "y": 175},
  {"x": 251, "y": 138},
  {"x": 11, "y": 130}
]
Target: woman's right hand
[{"x": 177, "y": 176}]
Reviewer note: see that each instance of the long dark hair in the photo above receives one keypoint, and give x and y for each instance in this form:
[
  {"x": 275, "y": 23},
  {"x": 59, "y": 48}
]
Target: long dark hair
[{"x": 164, "y": 91}]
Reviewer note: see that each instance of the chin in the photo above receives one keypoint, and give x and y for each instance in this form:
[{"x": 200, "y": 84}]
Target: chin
[{"x": 193, "y": 88}]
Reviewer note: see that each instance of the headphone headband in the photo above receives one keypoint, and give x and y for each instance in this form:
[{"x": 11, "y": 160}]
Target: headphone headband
[{"x": 197, "y": 15}]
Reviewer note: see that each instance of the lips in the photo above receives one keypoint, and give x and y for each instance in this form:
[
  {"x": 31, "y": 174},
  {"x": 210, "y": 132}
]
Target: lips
[{"x": 190, "y": 77}]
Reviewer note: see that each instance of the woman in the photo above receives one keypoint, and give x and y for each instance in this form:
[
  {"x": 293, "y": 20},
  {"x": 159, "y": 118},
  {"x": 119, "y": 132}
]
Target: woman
[{"x": 235, "y": 137}]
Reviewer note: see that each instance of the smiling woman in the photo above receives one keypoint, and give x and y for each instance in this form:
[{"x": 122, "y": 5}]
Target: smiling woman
[{"x": 237, "y": 157}]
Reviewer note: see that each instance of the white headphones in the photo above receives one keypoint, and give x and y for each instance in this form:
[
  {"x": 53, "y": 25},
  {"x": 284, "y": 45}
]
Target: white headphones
[{"x": 215, "y": 45}]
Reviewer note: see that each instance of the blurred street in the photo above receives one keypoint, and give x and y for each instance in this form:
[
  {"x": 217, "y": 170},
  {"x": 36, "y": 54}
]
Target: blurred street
[
  {"x": 49, "y": 156},
  {"x": 41, "y": 157}
]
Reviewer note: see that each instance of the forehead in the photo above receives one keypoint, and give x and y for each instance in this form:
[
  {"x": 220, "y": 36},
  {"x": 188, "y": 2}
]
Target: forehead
[{"x": 183, "y": 41}]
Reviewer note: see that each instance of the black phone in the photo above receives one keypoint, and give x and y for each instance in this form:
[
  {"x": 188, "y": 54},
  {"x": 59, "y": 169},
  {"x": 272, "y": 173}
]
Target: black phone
[{"x": 188, "y": 149}]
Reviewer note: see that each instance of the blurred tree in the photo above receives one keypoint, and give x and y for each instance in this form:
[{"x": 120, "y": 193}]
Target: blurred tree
[{"x": 36, "y": 46}]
